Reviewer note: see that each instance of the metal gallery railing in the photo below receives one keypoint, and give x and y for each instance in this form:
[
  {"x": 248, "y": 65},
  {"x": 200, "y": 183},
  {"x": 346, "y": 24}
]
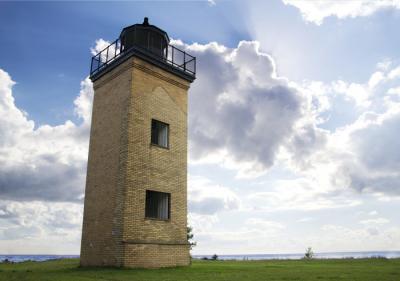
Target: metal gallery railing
[{"x": 170, "y": 55}]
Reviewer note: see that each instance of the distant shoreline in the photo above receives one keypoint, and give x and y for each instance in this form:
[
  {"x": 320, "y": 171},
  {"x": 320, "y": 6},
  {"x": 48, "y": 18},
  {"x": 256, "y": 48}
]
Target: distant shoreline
[{"x": 296, "y": 256}]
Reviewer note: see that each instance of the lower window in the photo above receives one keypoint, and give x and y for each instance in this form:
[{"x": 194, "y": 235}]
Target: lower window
[{"x": 157, "y": 205}]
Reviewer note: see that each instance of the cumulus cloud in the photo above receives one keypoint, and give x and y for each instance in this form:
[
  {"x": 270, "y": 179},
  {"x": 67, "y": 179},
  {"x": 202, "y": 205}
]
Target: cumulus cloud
[
  {"x": 316, "y": 11},
  {"x": 31, "y": 223},
  {"x": 47, "y": 162},
  {"x": 252, "y": 235},
  {"x": 208, "y": 198},
  {"x": 242, "y": 113},
  {"x": 375, "y": 221},
  {"x": 42, "y": 176},
  {"x": 361, "y": 153},
  {"x": 211, "y": 2},
  {"x": 264, "y": 225},
  {"x": 355, "y": 239},
  {"x": 53, "y": 216},
  {"x": 260, "y": 235},
  {"x": 302, "y": 194},
  {"x": 374, "y": 163}
]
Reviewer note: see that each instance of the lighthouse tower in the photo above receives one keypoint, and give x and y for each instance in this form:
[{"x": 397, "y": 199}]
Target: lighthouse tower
[{"x": 135, "y": 212}]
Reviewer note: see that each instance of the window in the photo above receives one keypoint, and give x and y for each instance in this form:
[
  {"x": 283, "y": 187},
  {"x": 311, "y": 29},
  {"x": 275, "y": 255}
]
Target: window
[
  {"x": 157, "y": 205},
  {"x": 159, "y": 133}
]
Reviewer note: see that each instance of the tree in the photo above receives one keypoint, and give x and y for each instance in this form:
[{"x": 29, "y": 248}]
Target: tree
[
  {"x": 190, "y": 235},
  {"x": 214, "y": 257},
  {"x": 309, "y": 254}
]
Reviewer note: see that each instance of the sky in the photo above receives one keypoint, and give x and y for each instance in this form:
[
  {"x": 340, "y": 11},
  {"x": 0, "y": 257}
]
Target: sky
[{"x": 294, "y": 121}]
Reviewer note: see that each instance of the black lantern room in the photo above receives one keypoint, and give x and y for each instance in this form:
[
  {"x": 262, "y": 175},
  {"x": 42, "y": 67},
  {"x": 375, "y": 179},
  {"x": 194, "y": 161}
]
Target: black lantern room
[
  {"x": 146, "y": 36},
  {"x": 149, "y": 43}
]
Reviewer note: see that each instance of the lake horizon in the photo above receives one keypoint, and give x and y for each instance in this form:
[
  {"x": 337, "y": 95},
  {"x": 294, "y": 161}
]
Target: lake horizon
[{"x": 291, "y": 256}]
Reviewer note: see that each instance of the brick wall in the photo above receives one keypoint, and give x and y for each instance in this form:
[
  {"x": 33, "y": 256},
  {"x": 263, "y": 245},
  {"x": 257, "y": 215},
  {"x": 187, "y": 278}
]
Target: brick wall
[
  {"x": 123, "y": 164},
  {"x": 154, "y": 256}
]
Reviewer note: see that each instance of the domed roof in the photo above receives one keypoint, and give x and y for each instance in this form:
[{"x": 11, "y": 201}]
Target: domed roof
[{"x": 145, "y": 26}]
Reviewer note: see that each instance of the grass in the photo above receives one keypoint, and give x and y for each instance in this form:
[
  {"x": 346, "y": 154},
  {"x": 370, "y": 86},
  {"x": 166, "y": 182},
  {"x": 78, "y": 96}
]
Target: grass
[{"x": 343, "y": 269}]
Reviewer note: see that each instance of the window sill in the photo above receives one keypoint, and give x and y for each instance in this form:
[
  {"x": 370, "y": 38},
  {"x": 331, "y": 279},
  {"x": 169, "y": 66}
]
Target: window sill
[
  {"x": 159, "y": 146},
  {"x": 155, "y": 219}
]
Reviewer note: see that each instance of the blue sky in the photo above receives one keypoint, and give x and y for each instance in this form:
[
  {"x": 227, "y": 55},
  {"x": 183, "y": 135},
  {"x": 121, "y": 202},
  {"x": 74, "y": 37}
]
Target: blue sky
[
  {"x": 349, "y": 48},
  {"x": 316, "y": 83}
]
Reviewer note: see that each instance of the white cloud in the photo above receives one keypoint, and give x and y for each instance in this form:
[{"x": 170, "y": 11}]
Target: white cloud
[
  {"x": 264, "y": 225},
  {"x": 356, "y": 239},
  {"x": 208, "y": 198},
  {"x": 354, "y": 91},
  {"x": 83, "y": 103},
  {"x": 375, "y": 221},
  {"x": 25, "y": 226},
  {"x": 100, "y": 45},
  {"x": 360, "y": 152},
  {"x": 373, "y": 213},
  {"x": 317, "y": 10},
  {"x": 43, "y": 163},
  {"x": 369, "y": 160},
  {"x": 42, "y": 176},
  {"x": 305, "y": 219},
  {"x": 211, "y": 2},
  {"x": 242, "y": 114},
  {"x": 253, "y": 235},
  {"x": 300, "y": 194}
]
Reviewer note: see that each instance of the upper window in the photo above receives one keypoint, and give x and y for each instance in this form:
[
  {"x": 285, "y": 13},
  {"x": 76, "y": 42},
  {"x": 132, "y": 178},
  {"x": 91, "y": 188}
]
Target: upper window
[
  {"x": 157, "y": 205},
  {"x": 159, "y": 133}
]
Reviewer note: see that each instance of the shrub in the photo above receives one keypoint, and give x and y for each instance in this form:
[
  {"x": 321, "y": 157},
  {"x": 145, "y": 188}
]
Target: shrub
[
  {"x": 309, "y": 254},
  {"x": 190, "y": 235}
]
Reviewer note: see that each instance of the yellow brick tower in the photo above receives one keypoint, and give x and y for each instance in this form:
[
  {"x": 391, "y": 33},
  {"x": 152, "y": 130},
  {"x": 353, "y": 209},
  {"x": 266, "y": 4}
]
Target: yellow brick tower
[{"x": 136, "y": 188}]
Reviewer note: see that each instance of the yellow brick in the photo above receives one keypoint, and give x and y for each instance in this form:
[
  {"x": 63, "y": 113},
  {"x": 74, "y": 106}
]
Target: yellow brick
[{"x": 123, "y": 164}]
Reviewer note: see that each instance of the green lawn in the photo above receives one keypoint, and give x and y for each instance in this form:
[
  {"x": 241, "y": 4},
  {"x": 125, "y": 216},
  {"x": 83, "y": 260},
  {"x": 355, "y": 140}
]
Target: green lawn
[{"x": 346, "y": 269}]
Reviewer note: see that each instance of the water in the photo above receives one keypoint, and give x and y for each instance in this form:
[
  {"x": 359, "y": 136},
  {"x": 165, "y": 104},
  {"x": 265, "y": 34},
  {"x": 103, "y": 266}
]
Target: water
[
  {"x": 333, "y": 255},
  {"x": 21, "y": 258}
]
